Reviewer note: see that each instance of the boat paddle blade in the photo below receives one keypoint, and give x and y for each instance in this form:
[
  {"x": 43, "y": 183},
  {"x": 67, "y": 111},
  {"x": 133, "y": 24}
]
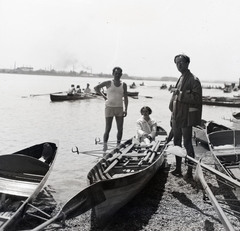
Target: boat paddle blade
[
  {"x": 80, "y": 203},
  {"x": 176, "y": 150},
  {"x": 198, "y": 172},
  {"x": 84, "y": 200}
]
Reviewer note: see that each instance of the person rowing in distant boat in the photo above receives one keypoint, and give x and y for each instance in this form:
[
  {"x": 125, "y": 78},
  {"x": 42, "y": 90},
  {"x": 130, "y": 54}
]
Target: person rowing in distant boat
[
  {"x": 116, "y": 92},
  {"x": 72, "y": 90},
  {"x": 78, "y": 89},
  {"x": 87, "y": 90},
  {"x": 146, "y": 126}
]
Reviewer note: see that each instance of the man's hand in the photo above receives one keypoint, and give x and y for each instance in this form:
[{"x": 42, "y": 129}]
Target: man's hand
[
  {"x": 124, "y": 113},
  {"x": 175, "y": 91}
]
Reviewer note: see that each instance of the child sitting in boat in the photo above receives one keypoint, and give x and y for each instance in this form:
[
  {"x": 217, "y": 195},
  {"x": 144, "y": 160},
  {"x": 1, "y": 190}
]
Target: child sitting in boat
[{"x": 146, "y": 126}]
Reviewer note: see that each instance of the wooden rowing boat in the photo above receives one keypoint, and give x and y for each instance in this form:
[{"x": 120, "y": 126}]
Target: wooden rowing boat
[
  {"x": 132, "y": 93},
  {"x": 225, "y": 148},
  {"x": 125, "y": 172},
  {"x": 221, "y": 101},
  {"x": 222, "y": 216},
  {"x": 65, "y": 96},
  {"x": 22, "y": 176},
  {"x": 200, "y": 131}
]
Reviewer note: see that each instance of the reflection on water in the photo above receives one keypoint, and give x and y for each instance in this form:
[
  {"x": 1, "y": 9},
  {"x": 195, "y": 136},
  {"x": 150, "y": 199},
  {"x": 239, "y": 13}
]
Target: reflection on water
[{"x": 28, "y": 120}]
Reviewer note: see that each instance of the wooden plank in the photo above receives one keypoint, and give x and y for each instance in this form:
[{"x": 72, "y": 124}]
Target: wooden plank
[
  {"x": 18, "y": 188},
  {"x": 21, "y": 176}
]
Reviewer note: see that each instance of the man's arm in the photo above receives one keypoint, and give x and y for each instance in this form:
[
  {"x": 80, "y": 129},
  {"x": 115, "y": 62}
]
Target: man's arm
[
  {"x": 100, "y": 86},
  {"x": 125, "y": 96}
]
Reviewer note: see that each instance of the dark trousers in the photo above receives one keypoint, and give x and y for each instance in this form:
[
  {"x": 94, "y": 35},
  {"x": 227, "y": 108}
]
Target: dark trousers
[{"x": 185, "y": 134}]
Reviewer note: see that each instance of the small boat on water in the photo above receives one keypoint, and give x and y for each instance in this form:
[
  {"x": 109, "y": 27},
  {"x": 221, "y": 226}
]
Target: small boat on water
[
  {"x": 76, "y": 96},
  {"x": 236, "y": 115},
  {"x": 227, "y": 88},
  {"x": 225, "y": 148},
  {"x": 237, "y": 96},
  {"x": 200, "y": 131},
  {"x": 133, "y": 85},
  {"x": 133, "y": 93},
  {"x": 124, "y": 172},
  {"x": 221, "y": 101},
  {"x": 163, "y": 86},
  {"x": 22, "y": 176}
]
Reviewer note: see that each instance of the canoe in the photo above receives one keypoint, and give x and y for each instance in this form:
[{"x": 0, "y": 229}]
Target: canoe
[
  {"x": 124, "y": 172},
  {"x": 65, "y": 96},
  {"x": 222, "y": 216},
  {"x": 22, "y": 176},
  {"x": 221, "y": 101},
  {"x": 200, "y": 131},
  {"x": 225, "y": 148}
]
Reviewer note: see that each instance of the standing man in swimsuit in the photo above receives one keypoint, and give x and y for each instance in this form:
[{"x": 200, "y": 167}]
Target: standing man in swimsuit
[{"x": 116, "y": 92}]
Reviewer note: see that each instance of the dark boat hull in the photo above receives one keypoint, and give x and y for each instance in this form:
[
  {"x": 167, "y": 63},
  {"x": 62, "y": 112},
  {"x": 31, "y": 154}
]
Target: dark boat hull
[
  {"x": 236, "y": 115},
  {"x": 22, "y": 176},
  {"x": 66, "y": 97},
  {"x": 123, "y": 181},
  {"x": 221, "y": 101},
  {"x": 133, "y": 93}
]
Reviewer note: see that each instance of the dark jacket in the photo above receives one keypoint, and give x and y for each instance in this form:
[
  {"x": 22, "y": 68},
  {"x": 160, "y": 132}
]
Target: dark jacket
[{"x": 186, "y": 107}]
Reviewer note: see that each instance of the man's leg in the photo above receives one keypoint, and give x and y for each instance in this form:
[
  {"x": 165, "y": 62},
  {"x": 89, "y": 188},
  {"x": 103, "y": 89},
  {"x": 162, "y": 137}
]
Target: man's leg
[
  {"x": 108, "y": 126},
  {"x": 187, "y": 139},
  {"x": 119, "y": 121},
  {"x": 177, "y": 140}
]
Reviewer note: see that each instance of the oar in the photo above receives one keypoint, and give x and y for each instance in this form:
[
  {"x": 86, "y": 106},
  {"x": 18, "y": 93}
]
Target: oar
[
  {"x": 80, "y": 203},
  {"x": 43, "y": 94},
  {"x": 154, "y": 152},
  {"x": 48, "y": 93},
  {"x": 149, "y": 152},
  {"x": 145, "y": 96},
  {"x": 199, "y": 176},
  {"x": 124, "y": 151},
  {"x": 89, "y": 153},
  {"x": 178, "y": 151}
]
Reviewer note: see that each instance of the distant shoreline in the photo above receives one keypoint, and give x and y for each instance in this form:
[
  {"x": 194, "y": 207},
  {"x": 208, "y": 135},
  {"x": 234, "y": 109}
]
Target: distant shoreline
[
  {"x": 81, "y": 74},
  {"x": 90, "y": 75}
]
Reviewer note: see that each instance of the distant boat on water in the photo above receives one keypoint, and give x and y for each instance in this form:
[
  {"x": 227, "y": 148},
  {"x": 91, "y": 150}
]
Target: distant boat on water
[
  {"x": 221, "y": 101},
  {"x": 236, "y": 115}
]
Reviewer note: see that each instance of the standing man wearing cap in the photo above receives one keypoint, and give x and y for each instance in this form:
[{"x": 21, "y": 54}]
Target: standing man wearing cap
[
  {"x": 116, "y": 92},
  {"x": 186, "y": 108}
]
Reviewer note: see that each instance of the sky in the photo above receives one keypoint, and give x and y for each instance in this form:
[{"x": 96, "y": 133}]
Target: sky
[{"x": 140, "y": 36}]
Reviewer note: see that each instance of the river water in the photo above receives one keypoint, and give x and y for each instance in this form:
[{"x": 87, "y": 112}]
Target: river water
[{"x": 27, "y": 120}]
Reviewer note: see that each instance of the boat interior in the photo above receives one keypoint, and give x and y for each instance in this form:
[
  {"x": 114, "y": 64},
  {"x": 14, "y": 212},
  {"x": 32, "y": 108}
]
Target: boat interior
[
  {"x": 136, "y": 159},
  {"x": 20, "y": 175}
]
